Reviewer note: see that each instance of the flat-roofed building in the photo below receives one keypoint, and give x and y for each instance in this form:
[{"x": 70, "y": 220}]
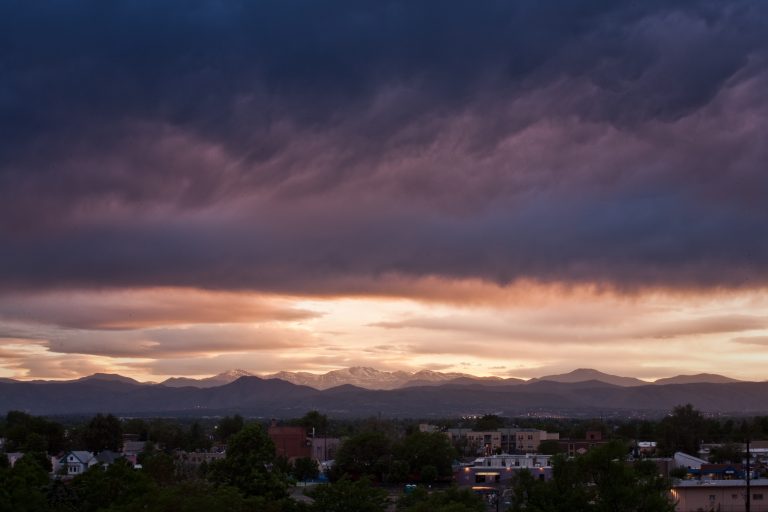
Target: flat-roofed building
[
  {"x": 500, "y": 469},
  {"x": 720, "y": 495}
]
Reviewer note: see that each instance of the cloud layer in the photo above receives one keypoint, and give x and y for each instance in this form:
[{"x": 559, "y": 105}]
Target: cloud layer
[
  {"x": 214, "y": 164},
  {"x": 285, "y": 145}
]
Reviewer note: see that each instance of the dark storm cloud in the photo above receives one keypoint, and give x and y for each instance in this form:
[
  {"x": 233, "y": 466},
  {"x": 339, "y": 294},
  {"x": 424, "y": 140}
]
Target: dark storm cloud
[{"x": 320, "y": 146}]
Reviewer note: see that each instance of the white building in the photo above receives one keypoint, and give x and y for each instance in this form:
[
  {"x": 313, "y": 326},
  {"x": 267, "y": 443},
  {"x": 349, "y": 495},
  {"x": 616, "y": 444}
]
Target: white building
[{"x": 77, "y": 462}]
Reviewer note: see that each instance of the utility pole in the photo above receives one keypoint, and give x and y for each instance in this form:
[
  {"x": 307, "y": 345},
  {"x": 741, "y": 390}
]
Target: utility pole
[{"x": 748, "y": 503}]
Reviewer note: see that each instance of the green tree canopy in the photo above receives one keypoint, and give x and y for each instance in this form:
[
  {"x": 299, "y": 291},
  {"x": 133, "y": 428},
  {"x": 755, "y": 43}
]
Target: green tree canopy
[
  {"x": 103, "y": 433},
  {"x": 98, "y": 489},
  {"x": 315, "y": 420},
  {"x": 229, "y": 426},
  {"x": 366, "y": 454},
  {"x": 452, "y": 499},
  {"x": 348, "y": 495},
  {"x": 488, "y": 422},
  {"x": 248, "y": 465},
  {"x": 426, "y": 450},
  {"x": 23, "y": 487},
  {"x": 305, "y": 468},
  {"x": 682, "y": 431},
  {"x": 727, "y": 453},
  {"x": 600, "y": 481},
  {"x": 24, "y": 432}
]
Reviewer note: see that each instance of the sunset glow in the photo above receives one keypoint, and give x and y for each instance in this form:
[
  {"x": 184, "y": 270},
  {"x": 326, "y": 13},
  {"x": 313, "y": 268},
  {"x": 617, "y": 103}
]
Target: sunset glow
[{"x": 485, "y": 189}]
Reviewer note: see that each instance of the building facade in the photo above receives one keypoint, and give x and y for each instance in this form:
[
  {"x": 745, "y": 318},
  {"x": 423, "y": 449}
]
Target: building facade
[
  {"x": 719, "y": 495},
  {"x": 290, "y": 442},
  {"x": 500, "y": 469}
]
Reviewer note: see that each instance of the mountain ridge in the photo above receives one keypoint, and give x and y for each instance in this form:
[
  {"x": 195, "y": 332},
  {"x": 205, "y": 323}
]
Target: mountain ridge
[
  {"x": 265, "y": 398},
  {"x": 373, "y": 379}
]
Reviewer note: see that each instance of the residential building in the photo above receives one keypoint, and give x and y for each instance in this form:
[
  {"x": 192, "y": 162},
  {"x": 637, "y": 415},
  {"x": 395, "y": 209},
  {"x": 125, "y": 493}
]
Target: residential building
[
  {"x": 133, "y": 447},
  {"x": 13, "y": 457},
  {"x": 528, "y": 440},
  {"x": 108, "y": 457},
  {"x": 77, "y": 462},
  {"x": 508, "y": 440},
  {"x": 485, "y": 443}
]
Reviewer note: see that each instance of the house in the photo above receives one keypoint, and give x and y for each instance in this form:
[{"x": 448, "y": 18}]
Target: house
[
  {"x": 133, "y": 447},
  {"x": 107, "y": 457},
  {"x": 13, "y": 457},
  {"x": 132, "y": 450},
  {"x": 77, "y": 462},
  {"x": 195, "y": 459},
  {"x": 720, "y": 495}
]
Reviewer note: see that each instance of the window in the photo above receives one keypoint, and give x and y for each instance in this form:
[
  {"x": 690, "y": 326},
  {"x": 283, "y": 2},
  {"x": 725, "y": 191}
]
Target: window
[
  {"x": 479, "y": 479},
  {"x": 711, "y": 497},
  {"x": 757, "y": 496}
]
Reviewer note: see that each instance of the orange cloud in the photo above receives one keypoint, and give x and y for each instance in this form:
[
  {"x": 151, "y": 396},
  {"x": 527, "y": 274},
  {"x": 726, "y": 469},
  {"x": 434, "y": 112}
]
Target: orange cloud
[{"x": 127, "y": 309}]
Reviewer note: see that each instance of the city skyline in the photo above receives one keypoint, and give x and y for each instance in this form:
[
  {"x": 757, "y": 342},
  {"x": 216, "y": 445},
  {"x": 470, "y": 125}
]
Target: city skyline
[{"x": 510, "y": 190}]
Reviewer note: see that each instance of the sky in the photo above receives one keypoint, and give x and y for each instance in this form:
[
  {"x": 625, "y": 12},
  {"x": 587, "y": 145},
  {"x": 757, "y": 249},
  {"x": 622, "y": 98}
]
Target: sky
[{"x": 497, "y": 188}]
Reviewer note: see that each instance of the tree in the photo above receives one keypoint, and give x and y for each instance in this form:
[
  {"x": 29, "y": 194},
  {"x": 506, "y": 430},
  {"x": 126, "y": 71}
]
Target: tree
[
  {"x": 196, "y": 439},
  {"x": 366, "y": 454},
  {"x": 187, "y": 497},
  {"x": 229, "y": 426},
  {"x": 22, "y": 488},
  {"x": 167, "y": 435},
  {"x": 428, "y": 473},
  {"x": 137, "y": 427},
  {"x": 315, "y": 420},
  {"x": 549, "y": 447},
  {"x": 103, "y": 433},
  {"x": 727, "y": 453},
  {"x": 24, "y": 432},
  {"x": 305, "y": 468},
  {"x": 158, "y": 466},
  {"x": 599, "y": 481},
  {"x": 449, "y": 500},
  {"x": 248, "y": 465},
  {"x": 488, "y": 422},
  {"x": 682, "y": 431},
  {"x": 98, "y": 489},
  {"x": 427, "y": 449},
  {"x": 347, "y": 495}
]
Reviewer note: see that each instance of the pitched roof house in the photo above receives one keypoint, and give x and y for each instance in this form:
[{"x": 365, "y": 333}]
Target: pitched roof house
[{"x": 77, "y": 462}]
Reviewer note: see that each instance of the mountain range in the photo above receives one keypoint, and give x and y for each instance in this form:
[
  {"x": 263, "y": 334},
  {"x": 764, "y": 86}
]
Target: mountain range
[
  {"x": 583, "y": 392},
  {"x": 371, "y": 378}
]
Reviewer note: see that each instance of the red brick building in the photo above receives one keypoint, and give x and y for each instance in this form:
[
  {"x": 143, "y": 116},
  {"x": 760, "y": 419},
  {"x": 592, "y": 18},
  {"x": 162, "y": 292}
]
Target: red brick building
[{"x": 290, "y": 442}]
